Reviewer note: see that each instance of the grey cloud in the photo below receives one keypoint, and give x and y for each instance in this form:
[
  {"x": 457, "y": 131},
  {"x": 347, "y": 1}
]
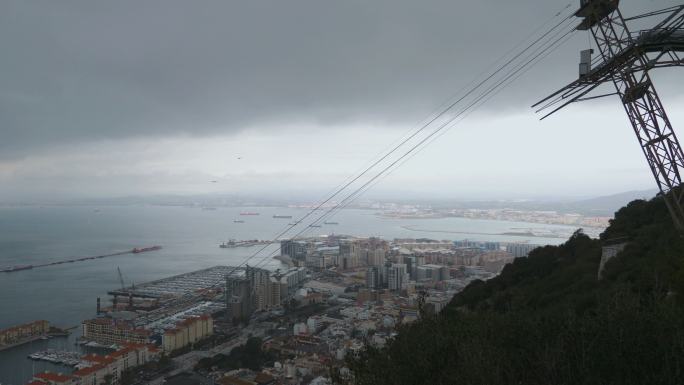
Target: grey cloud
[{"x": 74, "y": 71}]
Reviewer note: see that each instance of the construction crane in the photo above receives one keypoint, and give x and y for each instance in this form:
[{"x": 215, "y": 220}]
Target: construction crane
[
  {"x": 123, "y": 286},
  {"x": 625, "y": 60}
]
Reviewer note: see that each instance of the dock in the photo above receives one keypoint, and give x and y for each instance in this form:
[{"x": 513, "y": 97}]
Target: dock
[
  {"x": 248, "y": 243},
  {"x": 80, "y": 259}
]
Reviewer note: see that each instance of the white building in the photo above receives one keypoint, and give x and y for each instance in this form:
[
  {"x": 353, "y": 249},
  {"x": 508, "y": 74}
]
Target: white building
[{"x": 519, "y": 250}]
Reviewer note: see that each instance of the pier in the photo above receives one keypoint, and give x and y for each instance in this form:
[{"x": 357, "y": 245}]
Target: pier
[
  {"x": 248, "y": 243},
  {"x": 136, "y": 250}
]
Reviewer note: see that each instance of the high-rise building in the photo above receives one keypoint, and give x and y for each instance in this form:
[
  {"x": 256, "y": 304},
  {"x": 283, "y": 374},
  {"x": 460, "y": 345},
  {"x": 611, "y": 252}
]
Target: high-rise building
[
  {"x": 315, "y": 261},
  {"x": 260, "y": 281},
  {"x": 397, "y": 277},
  {"x": 376, "y": 257},
  {"x": 238, "y": 298},
  {"x": 373, "y": 277},
  {"x": 349, "y": 254},
  {"x": 295, "y": 249},
  {"x": 410, "y": 262},
  {"x": 276, "y": 292},
  {"x": 432, "y": 273},
  {"x": 384, "y": 274},
  {"x": 291, "y": 280}
]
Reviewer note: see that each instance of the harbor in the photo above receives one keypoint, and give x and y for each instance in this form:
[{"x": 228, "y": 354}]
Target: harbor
[{"x": 189, "y": 244}]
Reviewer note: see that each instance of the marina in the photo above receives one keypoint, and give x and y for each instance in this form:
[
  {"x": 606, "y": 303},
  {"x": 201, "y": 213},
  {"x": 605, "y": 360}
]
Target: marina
[
  {"x": 60, "y": 357},
  {"x": 179, "y": 285}
]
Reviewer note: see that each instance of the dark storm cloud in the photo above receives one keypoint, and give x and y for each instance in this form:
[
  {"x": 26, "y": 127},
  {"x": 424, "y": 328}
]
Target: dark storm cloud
[{"x": 74, "y": 71}]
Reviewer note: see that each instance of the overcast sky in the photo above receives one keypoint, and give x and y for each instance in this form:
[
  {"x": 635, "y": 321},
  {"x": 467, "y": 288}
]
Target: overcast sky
[{"x": 131, "y": 97}]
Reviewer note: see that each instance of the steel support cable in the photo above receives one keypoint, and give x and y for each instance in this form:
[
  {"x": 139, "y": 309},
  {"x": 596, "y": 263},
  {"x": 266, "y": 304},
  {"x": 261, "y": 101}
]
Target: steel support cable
[
  {"x": 441, "y": 107},
  {"x": 510, "y": 77},
  {"x": 655, "y": 13},
  {"x": 413, "y": 135},
  {"x": 480, "y": 104},
  {"x": 493, "y": 91}
]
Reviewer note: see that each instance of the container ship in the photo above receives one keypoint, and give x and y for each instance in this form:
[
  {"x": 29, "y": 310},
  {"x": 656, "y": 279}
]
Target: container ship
[
  {"x": 249, "y": 213},
  {"x": 145, "y": 249},
  {"x": 10, "y": 269},
  {"x": 283, "y": 216}
]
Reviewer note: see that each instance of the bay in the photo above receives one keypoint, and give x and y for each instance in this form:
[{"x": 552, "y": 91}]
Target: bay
[{"x": 66, "y": 294}]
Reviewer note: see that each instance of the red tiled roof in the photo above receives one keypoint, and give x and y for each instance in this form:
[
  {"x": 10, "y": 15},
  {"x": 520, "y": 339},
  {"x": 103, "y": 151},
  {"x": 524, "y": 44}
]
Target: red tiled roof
[
  {"x": 105, "y": 360},
  {"x": 88, "y": 370},
  {"x": 53, "y": 377},
  {"x": 134, "y": 345},
  {"x": 121, "y": 352}
]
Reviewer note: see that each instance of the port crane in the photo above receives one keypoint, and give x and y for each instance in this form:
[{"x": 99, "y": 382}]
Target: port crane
[
  {"x": 625, "y": 59},
  {"x": 121, "y": 280}
]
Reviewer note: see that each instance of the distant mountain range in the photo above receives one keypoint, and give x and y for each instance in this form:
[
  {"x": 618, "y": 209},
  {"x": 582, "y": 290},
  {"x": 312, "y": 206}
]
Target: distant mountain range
[
  {"x": 608, "y": 205},
  {"x": 599, "y": 206}
]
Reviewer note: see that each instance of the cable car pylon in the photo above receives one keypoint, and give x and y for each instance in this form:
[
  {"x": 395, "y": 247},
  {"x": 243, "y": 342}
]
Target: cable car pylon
[{"x": 625, "y": 60}]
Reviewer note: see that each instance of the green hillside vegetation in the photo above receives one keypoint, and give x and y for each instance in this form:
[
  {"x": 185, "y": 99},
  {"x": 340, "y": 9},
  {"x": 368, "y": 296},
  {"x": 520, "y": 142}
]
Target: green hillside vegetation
[
  {"x": 250, "y": 356},
  {"x": 547, "y": 319}
]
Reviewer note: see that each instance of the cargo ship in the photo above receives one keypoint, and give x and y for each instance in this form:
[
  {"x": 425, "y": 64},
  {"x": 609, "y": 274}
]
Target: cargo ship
[
  {"x": 330, "y": 223},
  {"x": 229, "y": 244},
  {"x": 282, "y": 216},
  {"x": 10, "y": 269},
  {"x": 238, "y": 221},
  {"x": 144, "y": 249},
  {"x": 249, "y": 213}
]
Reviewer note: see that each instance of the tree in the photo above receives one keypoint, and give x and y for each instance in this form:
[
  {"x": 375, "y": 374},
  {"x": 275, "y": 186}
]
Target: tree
[
  {"x": 108, "y": 379},
  {"x": 546, "y": 319}
]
